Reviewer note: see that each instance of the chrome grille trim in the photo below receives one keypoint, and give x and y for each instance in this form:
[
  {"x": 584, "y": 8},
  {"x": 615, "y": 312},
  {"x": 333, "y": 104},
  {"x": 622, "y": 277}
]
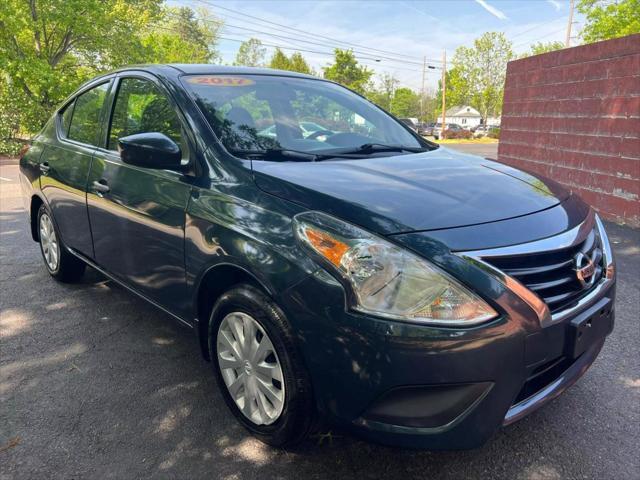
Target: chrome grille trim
[{"x": 565, "y": 240}]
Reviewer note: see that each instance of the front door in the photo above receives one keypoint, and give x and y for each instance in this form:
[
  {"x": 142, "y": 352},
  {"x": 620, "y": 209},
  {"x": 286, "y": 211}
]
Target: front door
[{"x": 137, "y": 214}]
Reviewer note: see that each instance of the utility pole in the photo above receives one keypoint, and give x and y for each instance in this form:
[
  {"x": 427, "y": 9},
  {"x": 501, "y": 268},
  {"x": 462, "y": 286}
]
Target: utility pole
[
  {"x": 444, "y": 92},
  {"x": 567, "y": 42},
  {"x": 424, "y": 73}
]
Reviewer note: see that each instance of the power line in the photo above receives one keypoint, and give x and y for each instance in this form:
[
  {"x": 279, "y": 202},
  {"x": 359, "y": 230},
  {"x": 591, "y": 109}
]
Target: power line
[
  {"x": 295, "y": 49},
  {"x": 299, "y": 40},
  {"x": 284, "y": 47},
  {"x": 313, "y": 34},
  {"x": 540, "y": 38},
  {"x": 357, "y": 54}
]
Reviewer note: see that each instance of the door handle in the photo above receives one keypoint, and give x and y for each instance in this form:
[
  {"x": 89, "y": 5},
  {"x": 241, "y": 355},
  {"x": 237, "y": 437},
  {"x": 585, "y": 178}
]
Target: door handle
[
  {"x": 101, "y": 187},
  {"x": 44, "y": 168}
]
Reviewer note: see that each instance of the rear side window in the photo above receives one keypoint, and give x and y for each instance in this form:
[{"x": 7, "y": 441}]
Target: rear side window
[
  {"x": 142, "y": 108},
  {"x": 85, "y": 120}
]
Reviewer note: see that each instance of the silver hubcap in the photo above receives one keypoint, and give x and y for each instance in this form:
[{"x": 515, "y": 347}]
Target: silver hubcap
[
  {"x": 250, "y": 368},
  {"x": 49, "y": 242}
]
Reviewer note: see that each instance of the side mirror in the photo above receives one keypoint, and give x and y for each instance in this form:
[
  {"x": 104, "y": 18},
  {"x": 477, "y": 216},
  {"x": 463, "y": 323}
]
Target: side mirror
[{"x": 150, "y": 150}]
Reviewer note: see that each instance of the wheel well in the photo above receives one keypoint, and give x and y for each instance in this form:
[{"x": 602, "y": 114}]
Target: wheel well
[
  {"x": 36, "y": 201},
  {"x": 215, "y": 282}
]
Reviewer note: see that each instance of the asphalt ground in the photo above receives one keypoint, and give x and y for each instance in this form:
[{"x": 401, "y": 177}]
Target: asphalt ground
[{"x": 95, "y": 383}]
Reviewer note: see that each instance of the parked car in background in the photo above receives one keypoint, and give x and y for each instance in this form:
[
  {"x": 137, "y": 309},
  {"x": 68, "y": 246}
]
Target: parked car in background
[
  {"x": 426, "y": 128},
  {"x": 480, "y": 131},
  {"x": 437, "y": 129},
  {"x": 414, "y": 295}
]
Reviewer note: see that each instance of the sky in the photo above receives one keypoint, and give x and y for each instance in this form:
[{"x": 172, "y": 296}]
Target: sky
[{"x": 390, "y": 36}]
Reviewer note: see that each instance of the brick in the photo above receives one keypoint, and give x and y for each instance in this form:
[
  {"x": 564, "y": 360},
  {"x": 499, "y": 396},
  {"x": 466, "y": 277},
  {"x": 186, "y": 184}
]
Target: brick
[
  {"x": 574, "y": 116},
  {"x": 623, "y": 66},
  {"x": 632, "y": 107},
  {"x": 630, "y": 148},
  {"x": 627, "y": 86},
  {"x": 595, "y": 70}
]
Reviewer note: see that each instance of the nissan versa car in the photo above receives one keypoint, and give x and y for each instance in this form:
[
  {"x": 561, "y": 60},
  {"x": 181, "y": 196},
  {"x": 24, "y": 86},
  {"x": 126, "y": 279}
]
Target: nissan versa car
[{"x": 356, "y": 273}]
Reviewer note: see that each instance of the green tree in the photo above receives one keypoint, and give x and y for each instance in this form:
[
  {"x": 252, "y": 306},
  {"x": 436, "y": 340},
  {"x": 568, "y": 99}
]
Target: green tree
[
  {"x": 279, "y": 60},
  {"x": 538, "y": 48},
  {"x": 251, "y": 53},
  {"x": 346, "y": 71},
  {"x": 383, "y": 93},
  {"x": 482, "y": 70},
  {"x": 295, "y": 63},
  {"x": 607, "y": 19},
  {"x": 405, "y": 103},
  {"x": 181, "y": 37},
  {"x": 49, "y": 47},
  {"x": 458, "y": 91}
]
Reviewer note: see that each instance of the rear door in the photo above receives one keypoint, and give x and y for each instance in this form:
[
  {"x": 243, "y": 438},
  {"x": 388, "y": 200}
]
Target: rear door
[
  {"x": 66, "y": 162},
  {"x": 137, "y": 214}
]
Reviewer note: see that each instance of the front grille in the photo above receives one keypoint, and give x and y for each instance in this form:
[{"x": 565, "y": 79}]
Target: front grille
[{"x": 552, "y": 274}]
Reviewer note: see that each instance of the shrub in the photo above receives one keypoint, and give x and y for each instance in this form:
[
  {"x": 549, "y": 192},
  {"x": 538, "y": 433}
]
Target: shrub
[
  {"x": 457, "y": 134},
  {"x": 494, "y": 133},
  {"x": 10, "y": 147}
]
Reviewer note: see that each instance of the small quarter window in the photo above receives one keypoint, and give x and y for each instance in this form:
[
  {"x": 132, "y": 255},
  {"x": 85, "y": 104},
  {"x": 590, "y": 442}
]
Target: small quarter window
[
  {"x": 66, "y": 119},
  {"x": 85, "y": 120}
]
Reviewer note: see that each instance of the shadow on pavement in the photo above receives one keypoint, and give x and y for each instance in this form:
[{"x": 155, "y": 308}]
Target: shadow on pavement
[{"x": 96, "y": 383}]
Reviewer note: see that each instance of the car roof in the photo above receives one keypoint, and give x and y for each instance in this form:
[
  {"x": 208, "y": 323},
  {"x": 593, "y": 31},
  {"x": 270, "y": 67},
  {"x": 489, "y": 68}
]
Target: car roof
[{"x": 210, "y": 69}]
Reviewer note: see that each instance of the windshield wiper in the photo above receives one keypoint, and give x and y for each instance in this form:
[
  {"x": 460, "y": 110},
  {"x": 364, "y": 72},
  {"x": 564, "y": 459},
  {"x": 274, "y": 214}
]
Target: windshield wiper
[
  {"x": 277, "y": 154},
  {"x": 286, "y": 154},
  {"x": 383, "y": 147}
]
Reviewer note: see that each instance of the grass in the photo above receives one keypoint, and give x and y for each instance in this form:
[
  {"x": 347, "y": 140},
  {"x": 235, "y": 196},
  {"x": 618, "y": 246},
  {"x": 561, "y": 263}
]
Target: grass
[{"x": 469, "y": 140}]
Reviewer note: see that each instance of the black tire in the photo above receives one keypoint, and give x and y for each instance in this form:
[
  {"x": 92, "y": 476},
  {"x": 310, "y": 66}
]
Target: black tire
[
  {"x": 296, "y": 419},
  {"x": 68, "y": 268}
]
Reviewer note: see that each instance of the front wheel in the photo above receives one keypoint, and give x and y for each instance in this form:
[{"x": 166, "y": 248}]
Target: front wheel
[
  {"x": 60, "y": 264},
  {"x": 259, "y": 370}
]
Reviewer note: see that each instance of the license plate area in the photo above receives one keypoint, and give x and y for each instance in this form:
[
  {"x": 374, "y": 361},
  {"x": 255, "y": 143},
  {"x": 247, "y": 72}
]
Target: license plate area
[{"x": 589, "y": 327}]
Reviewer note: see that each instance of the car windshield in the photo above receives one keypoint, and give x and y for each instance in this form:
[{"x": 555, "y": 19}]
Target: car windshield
[{"x": 254, "y": 115}]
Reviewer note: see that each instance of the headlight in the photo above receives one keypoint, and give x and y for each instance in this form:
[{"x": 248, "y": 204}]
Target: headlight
[{"x": 386, "y": 280}]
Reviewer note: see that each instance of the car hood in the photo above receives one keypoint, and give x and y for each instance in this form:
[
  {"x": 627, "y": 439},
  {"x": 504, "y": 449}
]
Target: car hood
[{"x": 405, "y": 193}]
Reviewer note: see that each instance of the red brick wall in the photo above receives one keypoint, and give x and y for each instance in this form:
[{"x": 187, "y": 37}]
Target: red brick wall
[{"x": 574, "y": 116}]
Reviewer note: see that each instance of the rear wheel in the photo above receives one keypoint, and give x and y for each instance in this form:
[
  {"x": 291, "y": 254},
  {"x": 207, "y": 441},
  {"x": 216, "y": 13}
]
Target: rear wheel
[
  {"x": 259, "y": 371},
  {"x": 60, "y": 264}
]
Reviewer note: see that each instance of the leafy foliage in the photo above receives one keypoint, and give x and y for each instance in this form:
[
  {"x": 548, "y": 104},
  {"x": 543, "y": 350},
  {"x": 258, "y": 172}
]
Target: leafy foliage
[
  {"x": 482, "y": 69},
  {"x": 346, "y": 71},
  {"x": 49, "y": 47},
  {"x": 251, "y": 53},
  {"x": 383, "y": 95},
  {"x": 295, "y": 63},
  {"x": 606, "y": 19},
  {"x": 405, "y": 103},
  {"x": 457, "y": 134},
  {"x": 180, "y": 37},
  {"x": 538, "y": 48},
  {"x": 458, "y": 91}
]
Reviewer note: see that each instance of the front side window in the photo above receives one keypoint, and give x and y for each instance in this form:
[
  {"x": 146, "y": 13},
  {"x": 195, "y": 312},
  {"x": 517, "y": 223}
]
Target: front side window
[
  {"x": 142, "y": 108},
  {"x": 85, "y": 119},
  {"x": 253, "y": 114}
]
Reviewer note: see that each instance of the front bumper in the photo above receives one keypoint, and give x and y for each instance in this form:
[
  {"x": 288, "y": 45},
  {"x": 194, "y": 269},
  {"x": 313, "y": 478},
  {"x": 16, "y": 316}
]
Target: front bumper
[{"x": 441, "y": 388}]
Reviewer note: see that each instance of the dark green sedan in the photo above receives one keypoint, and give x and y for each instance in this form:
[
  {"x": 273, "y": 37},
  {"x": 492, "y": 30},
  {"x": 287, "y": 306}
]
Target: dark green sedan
[{"x": 331, "y": 262}]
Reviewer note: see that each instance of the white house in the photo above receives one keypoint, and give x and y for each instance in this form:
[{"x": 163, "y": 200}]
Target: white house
[{"x": 465, "y": 116}]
